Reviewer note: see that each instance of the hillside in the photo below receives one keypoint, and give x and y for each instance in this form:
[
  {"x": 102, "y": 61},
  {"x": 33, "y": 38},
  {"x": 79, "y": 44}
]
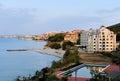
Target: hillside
[{"x": 115, "y": 28}]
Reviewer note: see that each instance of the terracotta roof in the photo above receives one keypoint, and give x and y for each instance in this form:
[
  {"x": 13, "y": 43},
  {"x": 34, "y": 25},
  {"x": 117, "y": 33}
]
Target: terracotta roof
[
  {"x": 58, "y": 72},
  {"x": 77, "y": 79},
  {"x": 70, "y": 78},
  {"x": 111, "y": 68}
]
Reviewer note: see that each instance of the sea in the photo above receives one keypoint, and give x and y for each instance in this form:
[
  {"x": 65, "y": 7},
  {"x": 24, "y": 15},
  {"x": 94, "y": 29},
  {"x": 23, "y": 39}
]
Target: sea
[{"x": 21, "y": 63}]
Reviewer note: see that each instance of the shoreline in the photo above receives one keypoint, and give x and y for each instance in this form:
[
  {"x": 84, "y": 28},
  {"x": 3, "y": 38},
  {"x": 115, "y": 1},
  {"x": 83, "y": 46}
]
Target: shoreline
[{"x": 49, "y": 51}]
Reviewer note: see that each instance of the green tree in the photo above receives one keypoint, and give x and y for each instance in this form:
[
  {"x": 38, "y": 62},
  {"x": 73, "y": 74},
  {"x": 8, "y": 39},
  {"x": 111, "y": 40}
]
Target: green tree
[
  {"x": 54, "y": 45},
  {"x": 52, "y": 78},
  {"x": 66, "y": 44},
  {"x": 57, "y": 38},
  {"x": 78, "y": 41},
  {"x": 115, "y": 28}
]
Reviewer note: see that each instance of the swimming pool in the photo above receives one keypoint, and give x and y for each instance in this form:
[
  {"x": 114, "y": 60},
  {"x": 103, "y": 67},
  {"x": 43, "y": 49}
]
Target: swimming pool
[{"x": 84, "y": 70}]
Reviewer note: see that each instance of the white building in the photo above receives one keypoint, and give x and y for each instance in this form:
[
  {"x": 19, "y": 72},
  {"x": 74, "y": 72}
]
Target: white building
[{"x": 99, "y": 40}]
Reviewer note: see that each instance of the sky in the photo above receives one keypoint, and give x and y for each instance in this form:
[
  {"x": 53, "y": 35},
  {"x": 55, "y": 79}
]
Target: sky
[{"x": 31, "y": 17}]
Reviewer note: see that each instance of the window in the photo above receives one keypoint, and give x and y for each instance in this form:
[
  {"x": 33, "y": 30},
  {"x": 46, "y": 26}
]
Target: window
[
  {"x": 103, "y": 42},
  {"x": 107, "y": 48}
]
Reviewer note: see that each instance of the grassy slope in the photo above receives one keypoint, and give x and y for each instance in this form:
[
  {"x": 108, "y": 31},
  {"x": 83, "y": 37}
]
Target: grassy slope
[{"x": 115, "y": 28}]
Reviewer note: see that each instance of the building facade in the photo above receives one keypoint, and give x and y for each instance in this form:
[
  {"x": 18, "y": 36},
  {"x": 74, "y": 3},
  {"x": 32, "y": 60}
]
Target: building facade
[
  {"x": 73, "y": 36},
  {"x": 100, "y": 40}
]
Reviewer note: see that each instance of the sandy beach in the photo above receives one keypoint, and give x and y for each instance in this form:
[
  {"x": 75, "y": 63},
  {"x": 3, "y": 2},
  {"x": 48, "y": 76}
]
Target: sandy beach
[{"x": 58, "y": 53}]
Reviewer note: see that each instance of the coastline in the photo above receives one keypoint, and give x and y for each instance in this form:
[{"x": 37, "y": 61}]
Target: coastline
[{"x": 49, "y": 51}]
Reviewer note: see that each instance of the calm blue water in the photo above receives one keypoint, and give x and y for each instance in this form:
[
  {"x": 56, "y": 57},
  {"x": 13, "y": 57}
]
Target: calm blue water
[
  {"x": 13, "y": 64},
  {"x": 87, "y": 70},
  {"x": 83, "y": 72}
]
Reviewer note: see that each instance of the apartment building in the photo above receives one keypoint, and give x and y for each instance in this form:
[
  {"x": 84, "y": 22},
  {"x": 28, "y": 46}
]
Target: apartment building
[{"x": 100, "y": 40}]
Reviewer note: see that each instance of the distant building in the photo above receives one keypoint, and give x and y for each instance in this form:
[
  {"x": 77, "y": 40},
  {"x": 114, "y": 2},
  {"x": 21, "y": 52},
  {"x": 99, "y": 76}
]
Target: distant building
[
  {"x": 44, "y": 36},
  {"x": 84, "y": 38},
  {"x": 99, "y": 40},
  {"x": 73, "y": 36}
]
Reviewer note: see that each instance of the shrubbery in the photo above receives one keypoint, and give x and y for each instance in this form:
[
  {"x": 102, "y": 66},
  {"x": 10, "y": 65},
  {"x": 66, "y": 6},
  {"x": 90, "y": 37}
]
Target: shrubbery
[
  {"x": 44, "y": 75},
  {"x": 107, "y": 54},
  {"x": 54, "y": 41},
  {"x": 115, "y": 28},
  {"x": 66, "y": 44},
  {"x": 57, "y": 38},
  {"x": 70, "y": 57},
  {"x": 54, "y": 45}
]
